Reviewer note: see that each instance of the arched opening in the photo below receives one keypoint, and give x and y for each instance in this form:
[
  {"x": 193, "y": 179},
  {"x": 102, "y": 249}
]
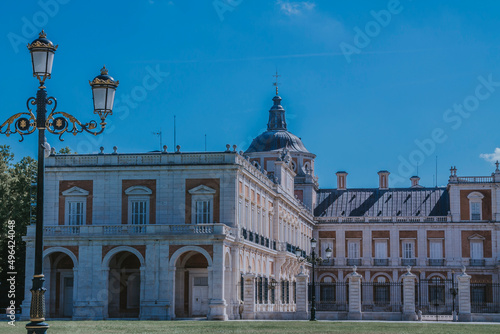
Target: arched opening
[
  {"x": 59, "y": 275},
  {"x": 191, "y": 285},
  {"x": 124, "y": 286}
]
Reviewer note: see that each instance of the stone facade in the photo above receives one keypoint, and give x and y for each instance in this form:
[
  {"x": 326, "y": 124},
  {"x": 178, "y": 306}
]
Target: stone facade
[{"x": 165, "y": 235}]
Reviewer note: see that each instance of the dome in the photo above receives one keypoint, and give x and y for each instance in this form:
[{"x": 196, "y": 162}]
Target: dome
[
  {"x": 276, "y": 140},
  {"x": 277, "y": 136}
]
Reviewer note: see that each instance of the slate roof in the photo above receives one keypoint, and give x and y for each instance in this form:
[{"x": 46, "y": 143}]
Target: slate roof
[{"x": 373, "y": 202}]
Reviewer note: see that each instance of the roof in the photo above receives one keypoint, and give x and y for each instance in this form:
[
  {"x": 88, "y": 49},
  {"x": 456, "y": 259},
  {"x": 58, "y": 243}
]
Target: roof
[
  {"x": 374, "y": 202},
  {"x": 276, "y": 140}
]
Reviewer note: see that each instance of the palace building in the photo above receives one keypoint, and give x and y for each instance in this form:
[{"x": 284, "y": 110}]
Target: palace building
[{"x": 171, "y": 235}]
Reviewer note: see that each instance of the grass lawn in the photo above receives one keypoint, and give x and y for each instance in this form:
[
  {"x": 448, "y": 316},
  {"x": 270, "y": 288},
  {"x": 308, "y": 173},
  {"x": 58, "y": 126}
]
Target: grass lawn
[{"x": 260, "y": 327}]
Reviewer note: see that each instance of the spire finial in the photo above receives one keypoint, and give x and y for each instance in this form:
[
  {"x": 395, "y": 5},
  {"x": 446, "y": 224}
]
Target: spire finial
[
  {"x": 275, "y": 83},
  {"x": 497, "y": 163}
]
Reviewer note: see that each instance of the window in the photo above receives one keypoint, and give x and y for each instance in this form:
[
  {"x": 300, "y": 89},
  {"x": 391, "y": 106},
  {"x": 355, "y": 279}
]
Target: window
[
  {"x": 202, "y": 212},
  {"x": 202, "y": 204},
  {"x": 381, "y": 249},
  {"x": 475, "y": 204},
  {"x": 75, "y": 214},
  {"x": 436, "y": 249},
  {"x": 408, "y": 249},
  {"x": 138, "y": 205},
  {"x": 139, "y": 212},
  {"x": 353, "y": 249},
  {"x": 476, "y": 249},
  {"x": 75, "y": 206}
]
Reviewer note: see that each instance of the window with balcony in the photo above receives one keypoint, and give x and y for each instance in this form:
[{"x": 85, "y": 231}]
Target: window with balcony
[
  {"x": 138, "y": 205},
  {"x": 475, "y": 205},
  {"x": 381, "y": 253},
  {"x": 353, "y": 253},
  {"x": 408, "y": 252},
  {"x": 202, "y": 198},
  {"x": 436, "y": 252},
  {"x": 476, "y": 250},
  {"x": 75, "y": 206}
]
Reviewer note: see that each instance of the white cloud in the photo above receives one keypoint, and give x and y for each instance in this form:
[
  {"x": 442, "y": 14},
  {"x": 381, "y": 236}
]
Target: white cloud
[
  {"x": 491, "y": 157},
  {"x": 295, "y": 7}
]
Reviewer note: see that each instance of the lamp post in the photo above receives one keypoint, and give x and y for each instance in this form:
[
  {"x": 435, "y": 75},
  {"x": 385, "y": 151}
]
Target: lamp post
[
  {"x": 57, "y": 122},
  {"x": 454, "y": 293},
  {"x": 313, "y": 259}
]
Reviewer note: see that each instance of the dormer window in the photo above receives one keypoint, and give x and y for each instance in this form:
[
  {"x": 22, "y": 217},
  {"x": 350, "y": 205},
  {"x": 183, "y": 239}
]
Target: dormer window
[
  {"x": 75, "y": 204},
  {"x": 138, "y": 205},
  {"x": 475, "y": 205},
  {"x": 202, "y": 201}
]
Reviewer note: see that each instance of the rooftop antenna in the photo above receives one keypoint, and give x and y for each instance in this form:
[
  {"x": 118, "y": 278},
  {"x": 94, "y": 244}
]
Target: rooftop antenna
[
  {"x": 159, "y": 134},
  {"x": 275, "y": 83},
  {"x": 436, "y": 171},
  {"x": 417, "y": 168},
  {"x": 175, "y": 134},
  {"x": 205, "y": 142}
]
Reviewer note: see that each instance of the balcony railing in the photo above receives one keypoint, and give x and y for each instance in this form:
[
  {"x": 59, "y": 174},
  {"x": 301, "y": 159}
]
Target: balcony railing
[
  {"x": 128, "y": 229},
  {"x": 380, "y": 262},
  {"x": 436, "y": 262},
  {"x": 328, "y": 262},
  {"x": 409, "y": 262},
  {"x": 353, "y": 262},
  {"x": 389, "y": 219},
  {"x": 476, "y": 262},
  {"x": 258, "y": 239}
]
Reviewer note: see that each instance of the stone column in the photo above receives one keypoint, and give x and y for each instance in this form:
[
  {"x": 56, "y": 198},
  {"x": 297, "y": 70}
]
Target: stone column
[
  {"x": 464, "y": 303},
  {"x": 301, "y": 308},
  {"x": 249, "y": 292},
  {"x": 408, "y": 281},
  {"x": 217, "y": 303},
  {"x": 354, "y": 296}
]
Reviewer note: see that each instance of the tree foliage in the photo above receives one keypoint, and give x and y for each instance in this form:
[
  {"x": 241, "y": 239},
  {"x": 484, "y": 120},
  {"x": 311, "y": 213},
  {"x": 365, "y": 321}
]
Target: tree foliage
[{"x": 16, "y": 197}]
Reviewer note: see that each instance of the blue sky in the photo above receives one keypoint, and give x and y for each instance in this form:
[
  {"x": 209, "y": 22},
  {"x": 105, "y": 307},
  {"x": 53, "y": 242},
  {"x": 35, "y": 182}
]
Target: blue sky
[{"x": 367, "y": 85}]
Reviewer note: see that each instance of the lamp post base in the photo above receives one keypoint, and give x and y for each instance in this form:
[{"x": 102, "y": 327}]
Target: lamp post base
[{"x": 37, "y": 309}]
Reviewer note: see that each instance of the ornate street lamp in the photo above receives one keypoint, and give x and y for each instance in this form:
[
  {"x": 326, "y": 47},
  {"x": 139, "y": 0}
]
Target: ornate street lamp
[
  {"x": 313, "y": 259},
  {"x": 57, "y": 122}
]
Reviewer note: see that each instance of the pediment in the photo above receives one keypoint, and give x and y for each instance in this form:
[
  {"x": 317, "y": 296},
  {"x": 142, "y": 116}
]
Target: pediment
[
  {"x": 476, "y": 237},
  {"x": 138, "y": 190},
  {"x": 475, "y": 196},
  {"x": 202, "y": 190},
  {"x": 75, "y": 191}
]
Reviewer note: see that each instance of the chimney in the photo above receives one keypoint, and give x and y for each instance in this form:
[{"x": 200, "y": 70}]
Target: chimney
[
  {"x": 414, "y": 182},
  {"x": 341, "y": 180},
  {"x": 383, "y": 179}
]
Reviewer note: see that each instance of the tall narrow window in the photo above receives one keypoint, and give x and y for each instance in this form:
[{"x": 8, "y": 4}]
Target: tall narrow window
[
  {"x": 139, "y": 212},
  {"x": 75, "y": 206},
  {"x": 353, "y": 249},
  {"x": 436, "y": 249},
  {"x": 202, "y": 212},
  {"x": 75, "y": 214},
  {"x": 138, "y": 205},
  {"x": 475, "y": 211},
  {"x": 475, "y": 205},
  {"x": 381, "y": 249},
  {"x": 476, "y": 249},
  {"x": 408, "y": 249},
  {"x": 202, "y": 202}
]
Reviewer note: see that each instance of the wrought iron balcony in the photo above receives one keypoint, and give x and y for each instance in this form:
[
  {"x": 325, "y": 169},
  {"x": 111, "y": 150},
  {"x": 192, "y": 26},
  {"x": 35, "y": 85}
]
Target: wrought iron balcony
[
  {"x": 328, "y": 262},
  {"x": 380, "y": 262},
  {"x": 476, "y": 262},
  {"x": 353, "y": 262},
  {"x": 409, "y": 262},
  {"x": 436, "y": 262}
]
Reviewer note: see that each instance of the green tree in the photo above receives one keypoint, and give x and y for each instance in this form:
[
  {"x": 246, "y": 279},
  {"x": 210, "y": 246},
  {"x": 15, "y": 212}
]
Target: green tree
[
  {"x": 16, "y": 196},
  {"x": 65, "y": 150}
]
